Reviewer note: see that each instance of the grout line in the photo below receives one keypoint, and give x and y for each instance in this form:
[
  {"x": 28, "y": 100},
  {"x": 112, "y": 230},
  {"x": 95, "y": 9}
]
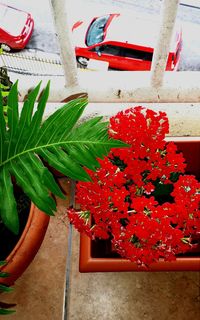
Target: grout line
[
  {"x": 69, "y": 255},
  {"x": 68, "y": 270}
]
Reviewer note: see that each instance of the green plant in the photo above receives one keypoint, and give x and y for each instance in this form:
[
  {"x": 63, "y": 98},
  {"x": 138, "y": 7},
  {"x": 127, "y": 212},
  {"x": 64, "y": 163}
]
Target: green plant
[
  {"x": 64, "y": 145},
  {"x": 5, "y": 307},
  {"x": 5, "y": 85},
  {"x": 5, "y": 82}
]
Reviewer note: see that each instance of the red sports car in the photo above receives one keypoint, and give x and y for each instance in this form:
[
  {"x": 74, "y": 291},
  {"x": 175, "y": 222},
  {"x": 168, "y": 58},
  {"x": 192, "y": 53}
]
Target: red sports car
[
  {"x": 126, "y": 43},
  {"x": 16, "y": 27}
]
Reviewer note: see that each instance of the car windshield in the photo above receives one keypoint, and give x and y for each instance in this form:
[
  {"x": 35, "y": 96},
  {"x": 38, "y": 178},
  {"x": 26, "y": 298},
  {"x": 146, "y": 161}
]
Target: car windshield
[
  {"x": 95, "y": 32},
  {"x": 11, "y": 20},
  {"x": 2, "y": 12}
]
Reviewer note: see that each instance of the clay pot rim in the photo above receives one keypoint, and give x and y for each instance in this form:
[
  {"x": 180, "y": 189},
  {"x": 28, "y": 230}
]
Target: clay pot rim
[
  {"x": 23, "y": 235},
  {"x": 27, "y": 246}
]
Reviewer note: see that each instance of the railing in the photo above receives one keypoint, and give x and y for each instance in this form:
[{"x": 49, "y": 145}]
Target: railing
[{"x": 29, "y": 64}]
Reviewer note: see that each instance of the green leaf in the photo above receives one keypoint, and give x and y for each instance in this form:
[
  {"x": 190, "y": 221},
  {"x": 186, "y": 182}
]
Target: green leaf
[
  {"x": 25, "y": 119},
  {"x": 174, "y": 176},
  {"x": 2, "y": 129},
  {"x": 85, "y": 158},
  {"x": 163, "y": 189},
  {"x": 8, "y": 208},
  {"x": 34, "y": 127},
  {"x": 26, "y": 113},
  {"x": 58, "y": 120},
  {"x": 46, "y": 176},
  {"x": 5, "y": 308},
  {"x": 69, "y": 168},
  {"x": 43, "y": 200},
  {"x": 13, "y": 114},
  {"x": 4, "y": 288},
  {"x": 64, "y": 145},
  {"x": 6, "y": 311},
  {"x": 4, "y": 274},
  {"x": 37, "y": 118}
]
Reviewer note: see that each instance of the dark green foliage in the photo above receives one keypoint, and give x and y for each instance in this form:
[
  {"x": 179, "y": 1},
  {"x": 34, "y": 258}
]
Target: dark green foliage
[
  {"x": 5, "y": 307},
  {"x": 5, "y": 85},
  {"x": 25, "y": 139}
]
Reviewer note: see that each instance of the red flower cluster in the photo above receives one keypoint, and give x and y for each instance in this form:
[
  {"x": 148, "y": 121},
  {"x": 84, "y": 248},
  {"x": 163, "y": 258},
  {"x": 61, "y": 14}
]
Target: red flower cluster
[{"x": 140, "y": 197}]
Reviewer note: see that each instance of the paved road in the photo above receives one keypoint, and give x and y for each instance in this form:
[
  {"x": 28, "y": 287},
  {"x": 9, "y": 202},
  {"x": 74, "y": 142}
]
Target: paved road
[{"x": 44, "y": 37}]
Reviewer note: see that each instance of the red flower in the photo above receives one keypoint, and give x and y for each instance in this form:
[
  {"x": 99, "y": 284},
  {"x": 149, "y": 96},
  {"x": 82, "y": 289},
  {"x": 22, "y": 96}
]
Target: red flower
[{"x": 140, "y": 197}]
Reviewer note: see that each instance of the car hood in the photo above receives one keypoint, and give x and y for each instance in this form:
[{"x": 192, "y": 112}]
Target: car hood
[{"x": 12, "y": 20}]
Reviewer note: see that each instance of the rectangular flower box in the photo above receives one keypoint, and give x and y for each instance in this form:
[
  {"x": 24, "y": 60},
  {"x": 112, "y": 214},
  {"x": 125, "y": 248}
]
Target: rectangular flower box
[{"x": 97, "y": 256}]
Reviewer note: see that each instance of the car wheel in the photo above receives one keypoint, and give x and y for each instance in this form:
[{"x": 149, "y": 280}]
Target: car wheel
[
  {"x": 82, "y": 62},
  {"x": 5, "y": 47}
]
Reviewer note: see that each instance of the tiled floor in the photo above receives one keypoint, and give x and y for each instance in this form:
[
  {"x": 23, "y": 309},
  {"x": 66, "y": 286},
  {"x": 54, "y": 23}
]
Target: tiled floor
[
  {"x": 132, "y": 296},
  {"x": 39, "y": 293}
]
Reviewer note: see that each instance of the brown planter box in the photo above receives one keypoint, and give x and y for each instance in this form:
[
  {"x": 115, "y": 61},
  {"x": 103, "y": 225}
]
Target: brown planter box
[{"x": 97, "y": 256}]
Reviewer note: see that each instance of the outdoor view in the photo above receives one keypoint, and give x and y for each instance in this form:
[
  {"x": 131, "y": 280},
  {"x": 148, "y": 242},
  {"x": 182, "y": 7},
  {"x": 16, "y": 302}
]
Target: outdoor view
[
  {"x": 100, "y": 159},
  {"x": 107, "y": 35}
]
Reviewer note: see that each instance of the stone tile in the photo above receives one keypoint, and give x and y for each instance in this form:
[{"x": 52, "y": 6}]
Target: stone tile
[
  {"x": 39, "y": 293},
  {"x": 128, "y": 296}
]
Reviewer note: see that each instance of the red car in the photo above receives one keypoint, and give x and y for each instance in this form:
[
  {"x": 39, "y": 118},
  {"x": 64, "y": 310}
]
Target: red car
[
  {"x": 125, "y": 43},
  {"x": 16, "y": 27}
]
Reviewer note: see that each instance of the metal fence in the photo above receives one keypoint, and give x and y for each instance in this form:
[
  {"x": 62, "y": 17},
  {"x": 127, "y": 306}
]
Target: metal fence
[{"x": 29, "y": 64}]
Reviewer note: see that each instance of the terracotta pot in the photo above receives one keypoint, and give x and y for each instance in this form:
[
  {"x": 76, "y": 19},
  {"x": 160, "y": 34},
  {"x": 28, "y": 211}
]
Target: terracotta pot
[
  {"x": 27, "y": 246},
  {"x": 98, "y": 256}
]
